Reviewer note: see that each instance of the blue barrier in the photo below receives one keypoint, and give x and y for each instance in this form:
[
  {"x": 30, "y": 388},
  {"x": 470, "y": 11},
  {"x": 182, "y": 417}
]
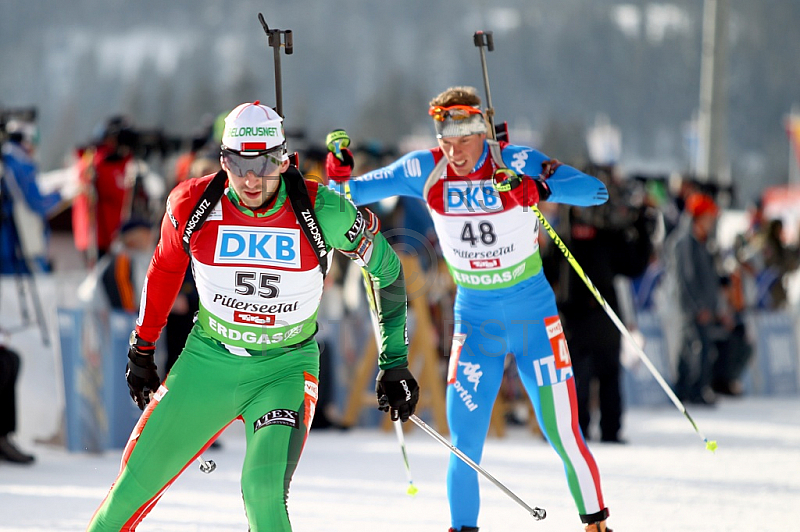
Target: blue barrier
[
  {"x": 776, "y": 365},
  {"x": 99, "y": 412},
  {"x": 774, "y": 370},
  {"x": 639, "y": 387},
  {"x": 123, "y": 413},
  {"x": 82, "y": 428}
]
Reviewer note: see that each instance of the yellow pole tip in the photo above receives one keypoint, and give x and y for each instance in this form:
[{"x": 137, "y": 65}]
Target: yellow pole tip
[
  {"x": 412, "y": 490},
  {"x": 711, "y": 445}
]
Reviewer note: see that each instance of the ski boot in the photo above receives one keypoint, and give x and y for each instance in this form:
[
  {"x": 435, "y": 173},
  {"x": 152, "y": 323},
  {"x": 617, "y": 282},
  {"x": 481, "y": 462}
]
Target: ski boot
[
  {"x": 464, "y": 529},
  {"x": 596, "y": 522},
  {"x": 599, "y": 526}
]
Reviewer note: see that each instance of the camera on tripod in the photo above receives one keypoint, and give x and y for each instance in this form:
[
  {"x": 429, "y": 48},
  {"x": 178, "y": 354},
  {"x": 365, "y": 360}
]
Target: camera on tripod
[
  {"x": 22, "y": 229},
  {"x": 142, "y": 143},
  {"x": 18, "y": 124}
]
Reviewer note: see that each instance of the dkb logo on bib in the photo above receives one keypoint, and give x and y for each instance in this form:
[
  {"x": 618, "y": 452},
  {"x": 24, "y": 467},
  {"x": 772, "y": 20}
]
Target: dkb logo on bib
[
  {"x": 273, "y": 246},
  {"x": 461, "y": 197}
]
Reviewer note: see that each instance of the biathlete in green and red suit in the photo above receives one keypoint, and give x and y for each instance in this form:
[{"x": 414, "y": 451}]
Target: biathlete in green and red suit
[{"x": 258, "y": 238}]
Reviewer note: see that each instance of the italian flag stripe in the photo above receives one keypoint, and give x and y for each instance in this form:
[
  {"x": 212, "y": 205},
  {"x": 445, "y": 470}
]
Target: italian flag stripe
[{"x": 583, "y": 477}]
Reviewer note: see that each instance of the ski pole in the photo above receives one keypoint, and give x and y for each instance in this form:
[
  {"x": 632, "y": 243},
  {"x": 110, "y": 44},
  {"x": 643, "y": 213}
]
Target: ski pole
[
  {"x": 206, "y": 466},
  {"x": 398, "y": 429},
  {"x": 336, "y": 141},
  {"x": 710, "y": 445},
  {"x": 482, "y": 39},
  {"x": 536, "y": 512}
]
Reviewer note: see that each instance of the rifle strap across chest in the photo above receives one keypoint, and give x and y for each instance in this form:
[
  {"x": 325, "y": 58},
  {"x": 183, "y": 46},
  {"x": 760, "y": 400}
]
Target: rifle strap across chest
[
  {"x": 298, "y": 197},
  {"x": 301, "y": 205},
  {"x": 211, "y": 195},
  {"x": 495, "y": 151}
]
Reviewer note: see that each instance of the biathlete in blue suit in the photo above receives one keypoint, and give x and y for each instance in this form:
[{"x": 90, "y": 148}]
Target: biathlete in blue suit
[{"x": 503, "y": 304}]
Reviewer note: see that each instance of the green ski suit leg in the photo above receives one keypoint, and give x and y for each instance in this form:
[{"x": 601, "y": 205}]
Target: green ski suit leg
[
  {"x": 207, "y": 388},
  {"x": 274, "y": 441}
]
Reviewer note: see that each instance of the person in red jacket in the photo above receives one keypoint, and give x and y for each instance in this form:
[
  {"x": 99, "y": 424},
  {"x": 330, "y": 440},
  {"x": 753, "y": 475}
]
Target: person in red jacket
[{"x": 99, "y": 208}]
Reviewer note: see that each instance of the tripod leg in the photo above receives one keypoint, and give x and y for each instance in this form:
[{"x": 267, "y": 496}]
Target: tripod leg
[
  {"x": 37, "y": 306},
  {"x": 23, "y": 300}
]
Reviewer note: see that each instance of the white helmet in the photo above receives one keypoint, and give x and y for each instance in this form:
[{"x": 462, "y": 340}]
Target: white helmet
[{"x": 252, "y": 127}]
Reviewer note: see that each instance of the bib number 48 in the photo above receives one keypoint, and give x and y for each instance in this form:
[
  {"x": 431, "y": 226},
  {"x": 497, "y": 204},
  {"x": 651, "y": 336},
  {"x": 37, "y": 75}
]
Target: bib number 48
[{"x": 485, "y": 234}]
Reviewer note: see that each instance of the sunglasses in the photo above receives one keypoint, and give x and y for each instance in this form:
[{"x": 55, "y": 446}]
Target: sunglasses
[
  {"x": 453, "y": 112},
  {"x": 262, "y": 163}
]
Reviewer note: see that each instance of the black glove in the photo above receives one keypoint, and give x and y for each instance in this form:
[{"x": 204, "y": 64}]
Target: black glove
[
  {"x": 141, "y": 374},
  {"x": 397, "y": 392}
]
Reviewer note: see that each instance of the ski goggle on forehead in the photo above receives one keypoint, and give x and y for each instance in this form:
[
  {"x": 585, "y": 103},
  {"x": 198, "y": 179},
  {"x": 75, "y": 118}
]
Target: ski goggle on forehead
[
  {"x": 261, "y": 163},
  {"x": 453, "y": 112}
]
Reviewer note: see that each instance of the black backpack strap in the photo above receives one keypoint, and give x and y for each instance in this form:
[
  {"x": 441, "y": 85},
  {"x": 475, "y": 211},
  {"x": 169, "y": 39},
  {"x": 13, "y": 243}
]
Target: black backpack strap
[
  {"x": 301, "y": 204},
  {"x": 211, "y": 195}
]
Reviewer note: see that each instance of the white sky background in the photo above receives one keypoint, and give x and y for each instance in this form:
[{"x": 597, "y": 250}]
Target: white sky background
[{"x": 663, "y": 480}]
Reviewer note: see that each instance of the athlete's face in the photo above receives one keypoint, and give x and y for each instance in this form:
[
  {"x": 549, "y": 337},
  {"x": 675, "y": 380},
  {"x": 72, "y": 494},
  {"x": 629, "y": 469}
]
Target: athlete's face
[
  {"x": 463, "y": 152},
  {"x": 254, "y": 190}
]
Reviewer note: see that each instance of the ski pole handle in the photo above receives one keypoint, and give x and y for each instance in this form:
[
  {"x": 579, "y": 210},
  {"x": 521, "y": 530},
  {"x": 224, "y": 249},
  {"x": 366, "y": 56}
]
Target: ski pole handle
[
  {"x": 336, "y": 141},
  {"x": 505, "y": 179}
]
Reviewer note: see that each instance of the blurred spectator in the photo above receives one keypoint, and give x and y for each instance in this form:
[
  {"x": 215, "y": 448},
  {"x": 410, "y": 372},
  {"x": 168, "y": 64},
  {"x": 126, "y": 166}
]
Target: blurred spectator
[
  {"x": 23, "y": 208},
  {"x": 779, "y": 260},
  {"x": 644, "y": 286},
  {"x": 181, "y": 319},
  {"x": 204, "y": 165},
  {"x": 117, "y": 279},
  {"x": 735, "y": 349},
  {"x": 202, "y": 157},
  {"x": 185, "y": 160},
  {"x": 414, "y": 231},
  {"x": 9, "y": 370},
  {"x": 312, "y": 163},
  {"x": 660, "y": 208},
  {"x": 698, "y": 286},
  {"x": 607, "y": 241},
  {"x": 757, "y": 218},
  {"x": 100, "y": 206}
]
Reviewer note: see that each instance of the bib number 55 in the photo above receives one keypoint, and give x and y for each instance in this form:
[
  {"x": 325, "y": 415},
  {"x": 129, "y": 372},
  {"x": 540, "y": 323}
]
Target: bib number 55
[{"x": 264, "y": 284}]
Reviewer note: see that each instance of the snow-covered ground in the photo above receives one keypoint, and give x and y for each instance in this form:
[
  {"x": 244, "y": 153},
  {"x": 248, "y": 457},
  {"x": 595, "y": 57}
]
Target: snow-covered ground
[{"x": 663, "y": 480}]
